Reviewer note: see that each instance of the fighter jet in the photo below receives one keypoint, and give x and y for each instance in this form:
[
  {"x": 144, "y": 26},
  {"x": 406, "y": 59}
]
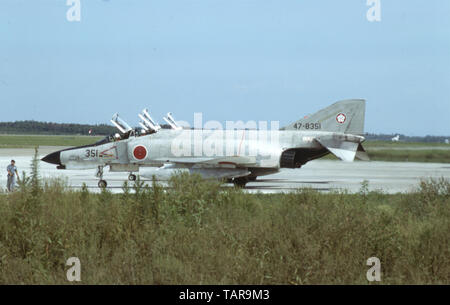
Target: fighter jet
[{"x": 237, "y": 156}]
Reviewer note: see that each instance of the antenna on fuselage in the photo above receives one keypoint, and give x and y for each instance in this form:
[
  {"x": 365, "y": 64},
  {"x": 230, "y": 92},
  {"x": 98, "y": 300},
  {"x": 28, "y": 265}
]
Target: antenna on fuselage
[
  {"x": 120, "y": 124},
  {"x": 171, "y": 121}
]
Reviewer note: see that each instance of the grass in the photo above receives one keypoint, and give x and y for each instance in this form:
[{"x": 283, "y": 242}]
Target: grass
[
  {"x": 31, "y": 141},
  {"x": 404, "y": 155},
  {"x": 390, "y": 144},
  {"x": 426, "y": 155},
  {"x": 196, "y": 232},
  {"x": 407, "y": 151}
]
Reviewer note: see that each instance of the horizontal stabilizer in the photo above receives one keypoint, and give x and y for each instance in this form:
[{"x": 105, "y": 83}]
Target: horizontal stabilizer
[
  {"x": 346, "y": 151},
  {"x": 343, "y": 154},
  {"x": 361, "y": 153}
]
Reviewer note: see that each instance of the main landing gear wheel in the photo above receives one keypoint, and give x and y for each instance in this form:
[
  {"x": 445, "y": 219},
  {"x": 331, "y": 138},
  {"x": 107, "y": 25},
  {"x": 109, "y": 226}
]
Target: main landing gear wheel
[
  {"x": 132, "y": 177},
  {"x": 240, "y": 182},
  {"x": 102, "y": 184}
]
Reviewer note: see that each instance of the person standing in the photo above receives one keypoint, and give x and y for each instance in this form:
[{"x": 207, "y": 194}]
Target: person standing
[{"x": 12, "y": 173}]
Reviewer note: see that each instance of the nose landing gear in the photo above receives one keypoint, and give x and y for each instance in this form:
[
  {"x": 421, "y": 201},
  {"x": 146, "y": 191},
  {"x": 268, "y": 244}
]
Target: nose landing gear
[
  {"x": 102, "y": 183},
  {"x": 99, "y": 174}
]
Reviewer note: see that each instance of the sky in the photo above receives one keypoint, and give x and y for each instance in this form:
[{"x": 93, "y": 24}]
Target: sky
[{"x": 261, "y": 60}]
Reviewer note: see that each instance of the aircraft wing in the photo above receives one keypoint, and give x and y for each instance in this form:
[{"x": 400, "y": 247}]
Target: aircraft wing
[
  {"x": 227, "y": 161},
  {"x": 207, "y": 167}
]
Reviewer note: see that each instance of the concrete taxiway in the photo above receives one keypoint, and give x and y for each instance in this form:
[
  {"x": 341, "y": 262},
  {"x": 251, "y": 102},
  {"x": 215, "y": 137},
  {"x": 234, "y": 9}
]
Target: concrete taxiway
[{"x": 324, "y": 175}]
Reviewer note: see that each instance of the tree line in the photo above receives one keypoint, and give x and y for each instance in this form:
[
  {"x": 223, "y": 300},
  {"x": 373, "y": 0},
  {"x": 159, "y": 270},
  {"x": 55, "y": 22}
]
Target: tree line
[
  {"x": 35, "y": 127},
  {"x": 404, "y": 138}
]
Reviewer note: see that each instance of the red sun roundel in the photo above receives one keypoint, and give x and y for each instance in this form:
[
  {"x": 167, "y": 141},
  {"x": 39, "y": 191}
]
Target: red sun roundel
[
  {"x": 340, "y": 118},
  {"x": 140, "y": 152}
]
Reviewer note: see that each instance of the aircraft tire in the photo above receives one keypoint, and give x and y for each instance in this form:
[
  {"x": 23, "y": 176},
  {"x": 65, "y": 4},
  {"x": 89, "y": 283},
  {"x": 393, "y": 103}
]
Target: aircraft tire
[
  {"x": 102, "y": 184},
  {"x": 240, "y": 182}
]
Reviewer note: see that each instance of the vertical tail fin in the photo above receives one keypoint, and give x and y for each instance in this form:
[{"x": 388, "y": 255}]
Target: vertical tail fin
[{"x": 344, "y": 116}]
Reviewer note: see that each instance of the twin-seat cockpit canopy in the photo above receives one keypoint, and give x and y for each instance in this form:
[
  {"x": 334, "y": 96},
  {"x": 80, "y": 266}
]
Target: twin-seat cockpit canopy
[{"x": 148, "y": 125}]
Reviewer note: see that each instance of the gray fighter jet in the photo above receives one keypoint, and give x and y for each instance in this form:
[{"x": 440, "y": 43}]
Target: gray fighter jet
[{"x": 237, "y": 156}]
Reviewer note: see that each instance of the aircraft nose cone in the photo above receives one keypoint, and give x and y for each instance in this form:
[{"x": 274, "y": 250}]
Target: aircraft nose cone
[{"x": 53, "y": 158}]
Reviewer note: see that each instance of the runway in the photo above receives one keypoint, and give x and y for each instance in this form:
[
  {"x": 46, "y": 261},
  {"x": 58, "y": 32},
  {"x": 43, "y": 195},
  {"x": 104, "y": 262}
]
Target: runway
[{"x": 323, "y": 175}]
